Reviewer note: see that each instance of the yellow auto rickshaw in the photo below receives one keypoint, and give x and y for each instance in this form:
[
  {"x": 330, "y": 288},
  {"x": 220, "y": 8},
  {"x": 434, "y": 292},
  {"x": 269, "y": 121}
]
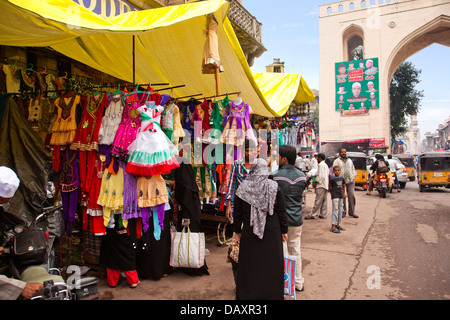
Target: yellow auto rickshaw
[
  {"x": 408, "y": 162},
  {"x": 359, "y": 160},
  {"x": 433, "y": 170}
]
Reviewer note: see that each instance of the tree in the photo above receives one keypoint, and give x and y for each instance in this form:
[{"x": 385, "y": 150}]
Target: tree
[{"x": 404, "y": 98}]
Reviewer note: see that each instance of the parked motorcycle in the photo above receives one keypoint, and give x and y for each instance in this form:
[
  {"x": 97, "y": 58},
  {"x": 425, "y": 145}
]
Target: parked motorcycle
[
  {"x": 382, "y": 185},
  {"x": 28, "y": 252}
]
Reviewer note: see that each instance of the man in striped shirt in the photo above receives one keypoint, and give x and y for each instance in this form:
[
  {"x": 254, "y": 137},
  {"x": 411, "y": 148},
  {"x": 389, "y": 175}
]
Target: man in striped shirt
[
  {"x": 292, "y": 181},
  {"x": 240, "y": 170}
]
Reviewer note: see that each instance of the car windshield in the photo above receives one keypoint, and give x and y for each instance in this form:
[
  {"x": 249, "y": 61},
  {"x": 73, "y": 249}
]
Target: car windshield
[{"x": 408, "y": 162}]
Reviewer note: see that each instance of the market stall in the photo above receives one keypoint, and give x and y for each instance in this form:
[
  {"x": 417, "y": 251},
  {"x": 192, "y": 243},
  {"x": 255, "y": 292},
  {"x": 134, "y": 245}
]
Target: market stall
[{"x": 131, "y": 157}]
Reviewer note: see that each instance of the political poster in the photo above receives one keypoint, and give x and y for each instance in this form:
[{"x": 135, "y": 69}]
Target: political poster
[{"x": 357, "y": 86}]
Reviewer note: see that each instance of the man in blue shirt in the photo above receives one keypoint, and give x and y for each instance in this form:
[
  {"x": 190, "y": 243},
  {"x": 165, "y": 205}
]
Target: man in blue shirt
[{"x": 292, "y": 182}]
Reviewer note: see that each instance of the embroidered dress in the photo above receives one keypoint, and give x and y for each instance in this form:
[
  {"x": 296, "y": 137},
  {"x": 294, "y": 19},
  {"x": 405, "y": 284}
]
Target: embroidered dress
[
  {"x": 65, "y": 127},
  {"x": 171, "y": 123},
  {"x": 111, "y": 120},
  {"x": 152, "y": 153},
  {"x": 12, "y": 81},
  {"x": 86, "y": 138},
  {"x": 202, "y": 114},
  {"x": 128, "y": 127},
  {"x": 237, "y": 124},
  {"x": 111, "y": 193},
  {"x": 34, "y": 110},
  {"x": 69, "y": 180},
  {"x": 217, "y": 119}
]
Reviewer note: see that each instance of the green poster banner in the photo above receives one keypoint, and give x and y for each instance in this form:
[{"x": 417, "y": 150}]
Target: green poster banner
[{"x": 357, "y": 86}]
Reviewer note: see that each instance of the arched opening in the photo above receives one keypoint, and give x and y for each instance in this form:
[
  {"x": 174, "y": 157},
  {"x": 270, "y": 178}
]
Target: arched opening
[
  {"x": 353, "y": 38},
  {"x": 419, "y": 48}
]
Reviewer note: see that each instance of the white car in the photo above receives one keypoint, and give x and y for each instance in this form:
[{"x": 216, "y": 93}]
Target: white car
[{"x": 402, "y": 172}]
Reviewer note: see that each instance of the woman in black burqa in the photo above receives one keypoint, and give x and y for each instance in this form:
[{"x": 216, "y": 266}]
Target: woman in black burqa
[
  {"x": 187, "y": 197},
  {"x": 260, "y": 224}
]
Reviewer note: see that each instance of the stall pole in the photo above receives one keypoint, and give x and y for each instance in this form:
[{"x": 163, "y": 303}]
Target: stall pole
[
  {"x": 217, "y": 76},
  {"x": 134, "y": 60}
]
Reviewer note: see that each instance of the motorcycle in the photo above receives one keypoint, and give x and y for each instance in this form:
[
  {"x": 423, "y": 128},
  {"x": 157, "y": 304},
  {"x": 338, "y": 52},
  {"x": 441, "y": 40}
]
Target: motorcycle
[
  {"x": 27, "y": 252},
  {"x": 393, "y": 174},
  {"x": 382, "y": 184}
]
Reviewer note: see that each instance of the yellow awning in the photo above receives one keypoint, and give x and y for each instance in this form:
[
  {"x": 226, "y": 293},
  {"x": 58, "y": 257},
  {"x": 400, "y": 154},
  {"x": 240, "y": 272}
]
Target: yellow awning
[{"x": 168, "y": 48}]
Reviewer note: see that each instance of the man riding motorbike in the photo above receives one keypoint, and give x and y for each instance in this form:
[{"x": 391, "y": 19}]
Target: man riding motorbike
[
  {"x": 379, "y": 166},
  {"x": 11, "y": 289}
]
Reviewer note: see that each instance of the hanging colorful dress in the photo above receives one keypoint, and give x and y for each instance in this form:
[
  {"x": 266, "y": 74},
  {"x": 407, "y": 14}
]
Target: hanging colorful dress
[
  {"x": 171, "y": 123},
  {"x": 86, "y": 137},
  {"x": 65, "y": 127},
  {"x": 152, "y": 153},
  {"x": 111, "y": 120},
  {"x": 237, "y": 125},
  {"x": 217, "y": 119},
  {"x": 128, "y": 127}
]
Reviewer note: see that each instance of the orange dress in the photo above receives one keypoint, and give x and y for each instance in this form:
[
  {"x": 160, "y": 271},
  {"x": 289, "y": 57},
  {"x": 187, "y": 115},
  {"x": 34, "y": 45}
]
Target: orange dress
[{"x": 65, "y": 127}]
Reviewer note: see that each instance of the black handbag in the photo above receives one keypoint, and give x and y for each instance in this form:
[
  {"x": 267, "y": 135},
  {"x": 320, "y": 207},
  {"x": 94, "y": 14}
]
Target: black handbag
[{"x": 30, "y": 247}]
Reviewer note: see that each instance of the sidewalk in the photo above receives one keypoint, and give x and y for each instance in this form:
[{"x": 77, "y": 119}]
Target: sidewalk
[{"x": 329, "y": 260}]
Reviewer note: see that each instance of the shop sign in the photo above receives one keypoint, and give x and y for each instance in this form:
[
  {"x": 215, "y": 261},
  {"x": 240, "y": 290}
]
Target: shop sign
[
  {"x": 357, "y": 86},
  {"x": 377, "y": 143},
  {"x": 107, "y": 8}
]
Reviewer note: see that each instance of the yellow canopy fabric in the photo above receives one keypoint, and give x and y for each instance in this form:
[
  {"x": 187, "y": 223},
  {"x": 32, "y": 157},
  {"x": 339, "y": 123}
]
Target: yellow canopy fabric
[{"x": 168, "y": 48}]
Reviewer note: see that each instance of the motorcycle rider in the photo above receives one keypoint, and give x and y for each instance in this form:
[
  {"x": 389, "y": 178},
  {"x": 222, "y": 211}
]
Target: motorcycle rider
[
  {"x": 393, "y": 168},
  {"x": 11, "y": 289},
  {"x": 377, "y": 168}
]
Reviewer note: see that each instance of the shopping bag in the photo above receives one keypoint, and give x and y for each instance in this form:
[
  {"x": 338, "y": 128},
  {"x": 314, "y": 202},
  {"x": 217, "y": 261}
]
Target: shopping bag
[
  {"x": 289, "y": 272},
  {"x": 187, "y": 249},
  {"x": 233, "y": 250}
]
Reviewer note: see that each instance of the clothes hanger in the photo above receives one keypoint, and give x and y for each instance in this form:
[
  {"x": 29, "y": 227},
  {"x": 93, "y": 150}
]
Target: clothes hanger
[
  {"x": 238, "y": 99},
  {"x": 30, "y": 69},
  {"x": 118, "y": 90}
]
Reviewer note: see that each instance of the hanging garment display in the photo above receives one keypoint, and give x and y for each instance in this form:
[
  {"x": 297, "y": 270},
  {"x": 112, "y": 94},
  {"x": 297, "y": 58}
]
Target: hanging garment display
[
  {"x": 111, "y": 119},
  {"x": 111, "y": 194},
  {"x": 69, "y": 180},
  {"x": 217, "y": 119},
  {"x": 128, "y": 127},
  {"x": 65, "y": 127},
  {"x": 86, "y": 137},
  {"x": 237, "y": 125},
  {"x": 171, "y": 123},
  {"x": 152, "y": 153}
]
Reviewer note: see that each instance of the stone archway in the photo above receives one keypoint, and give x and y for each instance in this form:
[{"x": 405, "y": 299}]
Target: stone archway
[
  {"x": 436, "y": 31},
  {"x": 391, "y": 31}
]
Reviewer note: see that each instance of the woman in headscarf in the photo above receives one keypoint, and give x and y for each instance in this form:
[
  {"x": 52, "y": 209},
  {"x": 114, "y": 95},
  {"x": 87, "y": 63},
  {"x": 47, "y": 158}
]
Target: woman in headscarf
[{"x": 260, "y": 224}]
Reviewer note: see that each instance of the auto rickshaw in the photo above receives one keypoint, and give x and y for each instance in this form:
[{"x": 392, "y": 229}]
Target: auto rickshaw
[
  {"x": 408, "y": 162},
  {"x": 359, "y": 160},
  {"x": 433, "y": 170}
]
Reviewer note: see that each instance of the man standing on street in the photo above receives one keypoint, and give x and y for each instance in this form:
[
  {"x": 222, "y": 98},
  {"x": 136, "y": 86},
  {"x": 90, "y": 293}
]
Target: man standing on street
[
  {"x": 292, "y": 182},
  {"x": 320, "y": 203},
  {"x": 348, "y": 172}
]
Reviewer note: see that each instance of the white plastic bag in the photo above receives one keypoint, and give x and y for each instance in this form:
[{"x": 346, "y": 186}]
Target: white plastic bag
[{"x": 188, "y": 249}]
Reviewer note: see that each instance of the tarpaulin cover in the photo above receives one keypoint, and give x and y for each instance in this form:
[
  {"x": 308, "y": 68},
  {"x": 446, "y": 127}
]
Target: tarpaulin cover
[
  {"x": 23, "y": 151},
  {"x": 168, "y": 48}
]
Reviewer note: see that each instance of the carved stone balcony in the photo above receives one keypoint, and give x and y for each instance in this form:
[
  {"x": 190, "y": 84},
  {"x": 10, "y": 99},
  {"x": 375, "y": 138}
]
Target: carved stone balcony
[{"x": 248, "y": 30}]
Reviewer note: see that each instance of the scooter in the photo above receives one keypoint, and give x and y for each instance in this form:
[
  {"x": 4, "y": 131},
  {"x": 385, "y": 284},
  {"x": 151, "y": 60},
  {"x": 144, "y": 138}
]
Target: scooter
[
  {"x": 27, "y": 253},
  {"x": 382, "y": 185}
]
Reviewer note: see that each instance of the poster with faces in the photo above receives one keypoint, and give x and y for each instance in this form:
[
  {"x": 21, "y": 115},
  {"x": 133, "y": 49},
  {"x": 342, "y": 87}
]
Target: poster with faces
[{"x": 357, "y": 86}]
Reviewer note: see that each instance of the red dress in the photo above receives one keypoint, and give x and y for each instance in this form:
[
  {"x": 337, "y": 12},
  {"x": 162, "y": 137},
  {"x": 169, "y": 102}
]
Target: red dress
[{"x": 86, "y": 138}]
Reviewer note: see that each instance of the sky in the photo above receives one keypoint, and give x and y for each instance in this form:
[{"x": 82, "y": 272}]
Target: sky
[{"x": 290, "y": 32}]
